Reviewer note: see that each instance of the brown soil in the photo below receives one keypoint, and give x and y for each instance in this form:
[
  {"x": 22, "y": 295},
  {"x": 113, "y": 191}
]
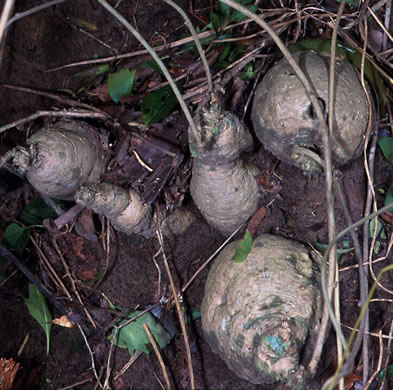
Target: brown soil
[{"x": 50, "y": 39}]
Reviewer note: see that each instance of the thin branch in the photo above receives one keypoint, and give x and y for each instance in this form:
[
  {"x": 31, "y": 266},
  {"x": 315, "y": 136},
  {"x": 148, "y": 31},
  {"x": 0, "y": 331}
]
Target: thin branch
[
  {"x": 33, "y": 10},
  {"x": 159, "y": 357},
  {"x": 178, "y": 307},
  {"x": 333, "y": 267},
  {"x": 61, "y": 113},
  {"x": 197, "y": 42},
  {"x": 342, "y": 368},
  {"x": 9, "y": 256},
  {"x": 156, "y": 58},
  {"x": 7, "y": 9}
]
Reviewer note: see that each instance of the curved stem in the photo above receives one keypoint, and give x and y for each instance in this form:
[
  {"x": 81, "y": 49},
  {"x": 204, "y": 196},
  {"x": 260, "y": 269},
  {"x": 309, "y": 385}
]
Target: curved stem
[
  {"x": 333, "y": 268},
  {"x": 197, "y": 42},
  {"x": 156, "y": 58}
]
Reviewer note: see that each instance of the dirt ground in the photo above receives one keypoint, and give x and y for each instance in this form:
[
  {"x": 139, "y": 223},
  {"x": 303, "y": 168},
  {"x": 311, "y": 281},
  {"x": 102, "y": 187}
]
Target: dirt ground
[{"x": 75, "y": 31}]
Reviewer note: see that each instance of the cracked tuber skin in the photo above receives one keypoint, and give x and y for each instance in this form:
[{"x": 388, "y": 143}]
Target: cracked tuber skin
[
  {"x": 60, "y": 158},
  {"x": 222, "y": 186}
]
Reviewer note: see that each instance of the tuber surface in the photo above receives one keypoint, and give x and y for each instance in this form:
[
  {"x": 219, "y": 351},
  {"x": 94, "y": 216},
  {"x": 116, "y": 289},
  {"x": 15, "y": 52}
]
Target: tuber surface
[
  {"x": 260, "y": 314},
  {"x": 126, "y": 211},
  {"x": 222, "y": 186},
  {"x": 284, "y": 119},
  {"x": 60, "y": 158}
]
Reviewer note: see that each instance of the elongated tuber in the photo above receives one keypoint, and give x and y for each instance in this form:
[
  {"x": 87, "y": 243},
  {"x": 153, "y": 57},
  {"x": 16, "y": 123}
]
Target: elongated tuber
[
  {"x": 60, "y": 158},
  {"x": 123, "y": 207},
  {"x": 127, "y": 213},
  {"x": 222, "y": 187}
]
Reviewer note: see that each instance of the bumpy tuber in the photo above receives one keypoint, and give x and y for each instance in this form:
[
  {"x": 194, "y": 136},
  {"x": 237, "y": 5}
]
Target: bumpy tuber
[
  {"x": 259, "y": 315},
  {"x": 222, "y": 186},
  {"x": 60, "y": 158},
  {"x": 127, "y": 213},
  {"x": 285, "y": 121}
]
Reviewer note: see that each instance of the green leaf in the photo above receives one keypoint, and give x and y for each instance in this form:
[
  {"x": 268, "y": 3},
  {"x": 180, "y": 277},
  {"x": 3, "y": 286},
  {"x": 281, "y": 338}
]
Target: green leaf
[
  {"x": 15, "y": 236},
  {"x": 35, "y": 212},
  {"x": 247, "y": 73},
  {"x": 323, "y": 247},
  {"x": 389, "y": 197},
  {"x": 243, "y": 248},
  {"x": 38, "y": 309},
  {"x": 134, "y": 337},
  {"x": 222, "y": 61},
  {"x": 120, "y": 84},
  {"x": 151, "y": 64},
  {"x": 94, "y": 280},
  {"x": 225, "y": 11},
  {"x": 217, "y": 20},
  {"x": 386, "y": 145},
  {"x": 158, "y": 105},
  {"x": 93, "y": 71},
  {"x": 372, "y": 226},
  {"x": 238, "y": 16},
  {"x": 389, "y": 372}
]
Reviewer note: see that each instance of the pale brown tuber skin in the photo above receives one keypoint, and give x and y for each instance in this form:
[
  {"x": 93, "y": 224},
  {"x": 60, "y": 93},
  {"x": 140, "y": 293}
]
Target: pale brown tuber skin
[
  {"x": 222, "y": 187},
  {"x": 66, "y": 160},
  {"x": 123, "y": 207},
  {"x": 126, "y": 211},
  {"x": 285, "y": 120},
  {"x": 60, "y": 158},
  {"x": 261, "y": 315}
]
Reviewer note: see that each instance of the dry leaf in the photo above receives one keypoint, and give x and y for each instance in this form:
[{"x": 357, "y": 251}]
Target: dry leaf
[
  {"x": 8, "y": 370},
  {"x": 63, "y": 321}
]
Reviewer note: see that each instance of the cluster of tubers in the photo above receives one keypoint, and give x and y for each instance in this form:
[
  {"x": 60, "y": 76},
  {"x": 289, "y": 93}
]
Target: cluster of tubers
[
  {"x": 259, "y": 314},
  {"x": 66, "y": 160}
]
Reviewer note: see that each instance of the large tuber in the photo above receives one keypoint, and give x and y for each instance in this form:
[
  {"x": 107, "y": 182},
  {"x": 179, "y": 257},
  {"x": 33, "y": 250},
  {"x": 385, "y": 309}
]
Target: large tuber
[
  {"x": 258, "y": 315},
  {"x": 222, "y": 186},
  {"x": 62, "y": 157},
  {"x": 285, "y": 121}
]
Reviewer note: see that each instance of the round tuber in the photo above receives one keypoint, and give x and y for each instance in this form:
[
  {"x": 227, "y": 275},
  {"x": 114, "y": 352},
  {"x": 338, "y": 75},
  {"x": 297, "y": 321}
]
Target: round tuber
[
  {"x": 259, "y": 315},
  {"x": 222, "y": 187},
  {"x": 60, "y": 158},
  {"x": 285, "y": 121}
]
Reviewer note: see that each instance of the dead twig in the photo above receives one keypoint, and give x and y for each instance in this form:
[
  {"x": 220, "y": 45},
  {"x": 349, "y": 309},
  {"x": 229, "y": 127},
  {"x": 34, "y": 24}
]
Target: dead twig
[
  {"x": 73, "y": 284},
  {"x": 196, "y": 40},
  {"x": 61, "y": 113},
  {"x": 7, "y": 9},
  {"x": 377, "y": 371},
  {"x": 57, "y": 97},
  {"x": 156, "y": 58},
  {"x": 203, "y": 266},
  {"x": 32, "y": 11},
  {"x": 389, "y": 351},
  {"x": 159, "y": 357},
  {"x": 177, "y": 304},
  {"x": 93, "y": 365},
  {"x": 52, "y": 299}
]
